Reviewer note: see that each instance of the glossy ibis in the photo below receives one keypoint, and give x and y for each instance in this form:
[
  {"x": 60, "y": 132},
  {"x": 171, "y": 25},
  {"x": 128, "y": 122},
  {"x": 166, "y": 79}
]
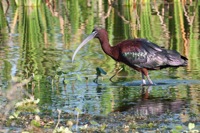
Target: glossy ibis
[{"x": 140, "y": 54}]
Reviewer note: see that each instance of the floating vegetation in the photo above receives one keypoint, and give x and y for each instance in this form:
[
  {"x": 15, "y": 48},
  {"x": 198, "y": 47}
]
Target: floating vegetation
[
  {"x": 62, "y": 130},
  {"x": 28, "y": 105}
]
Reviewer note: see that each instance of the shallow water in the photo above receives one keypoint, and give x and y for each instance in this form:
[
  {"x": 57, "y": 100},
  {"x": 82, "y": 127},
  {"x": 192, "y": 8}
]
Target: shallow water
[{"x": 41, "y": 41}]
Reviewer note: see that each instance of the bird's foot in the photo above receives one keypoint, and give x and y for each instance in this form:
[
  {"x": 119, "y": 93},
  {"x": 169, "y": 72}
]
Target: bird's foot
[
  {"x": 152, "y": 84},
  {"x": 143, "y": 82},
  {"x": 149, "y": 84}
]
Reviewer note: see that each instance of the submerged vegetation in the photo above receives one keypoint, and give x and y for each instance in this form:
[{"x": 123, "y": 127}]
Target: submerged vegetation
[
  {"x": 114, "y": 122},
  {"x": 42, "y": 90}
]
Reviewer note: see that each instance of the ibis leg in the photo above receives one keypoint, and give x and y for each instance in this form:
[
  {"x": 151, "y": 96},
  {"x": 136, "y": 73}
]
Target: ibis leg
[
  {"x": 150, "y": 81},
  {"x": 143, "y": 79}
]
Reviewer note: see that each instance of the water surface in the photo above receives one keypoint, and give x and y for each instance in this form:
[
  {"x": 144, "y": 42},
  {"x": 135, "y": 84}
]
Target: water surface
[{"x": 41, "y": 41}]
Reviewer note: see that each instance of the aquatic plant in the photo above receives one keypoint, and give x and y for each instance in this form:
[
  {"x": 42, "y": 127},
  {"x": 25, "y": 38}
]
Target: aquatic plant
[
  {"x": 28, "y": 105},
  {"x": 99, "y": 72},
  {"x": 62, "y": 130}
]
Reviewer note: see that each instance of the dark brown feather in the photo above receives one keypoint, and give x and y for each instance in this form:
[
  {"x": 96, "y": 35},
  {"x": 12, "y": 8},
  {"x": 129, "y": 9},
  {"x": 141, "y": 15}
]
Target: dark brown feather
[{"x": 145, "y": 54}]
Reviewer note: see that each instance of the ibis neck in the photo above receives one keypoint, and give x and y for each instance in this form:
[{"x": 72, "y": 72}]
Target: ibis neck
[
  {"x": 105, "y": 45},
  {"x": 111, "y": 51}
]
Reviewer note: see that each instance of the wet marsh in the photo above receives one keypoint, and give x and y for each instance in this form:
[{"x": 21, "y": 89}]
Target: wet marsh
[{"x": 41, "y": 89}]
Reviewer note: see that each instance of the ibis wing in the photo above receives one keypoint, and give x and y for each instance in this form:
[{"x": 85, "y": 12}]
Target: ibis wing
[{"x": 138, "y": 52}]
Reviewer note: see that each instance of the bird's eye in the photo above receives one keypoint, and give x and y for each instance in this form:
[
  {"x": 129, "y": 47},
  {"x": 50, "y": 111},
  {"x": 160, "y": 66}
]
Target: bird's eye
[{"x": 93, "y": 30}]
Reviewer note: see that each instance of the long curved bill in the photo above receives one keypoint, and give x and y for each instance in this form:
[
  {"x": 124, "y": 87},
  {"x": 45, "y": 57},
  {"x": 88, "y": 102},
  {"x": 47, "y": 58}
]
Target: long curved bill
[{"x": 90, "y": 37}]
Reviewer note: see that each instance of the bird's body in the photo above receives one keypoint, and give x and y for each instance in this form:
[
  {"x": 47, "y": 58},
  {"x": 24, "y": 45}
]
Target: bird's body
[{"x": 140, "y": 54}]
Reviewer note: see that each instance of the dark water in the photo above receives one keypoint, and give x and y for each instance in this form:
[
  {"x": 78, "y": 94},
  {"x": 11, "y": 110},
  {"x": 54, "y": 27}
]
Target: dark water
[{"x": 41, "y": 41}]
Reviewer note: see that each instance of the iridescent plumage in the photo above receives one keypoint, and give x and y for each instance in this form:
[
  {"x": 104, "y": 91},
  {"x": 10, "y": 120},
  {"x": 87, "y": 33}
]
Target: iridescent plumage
[{"x": 140, "y": 54}]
